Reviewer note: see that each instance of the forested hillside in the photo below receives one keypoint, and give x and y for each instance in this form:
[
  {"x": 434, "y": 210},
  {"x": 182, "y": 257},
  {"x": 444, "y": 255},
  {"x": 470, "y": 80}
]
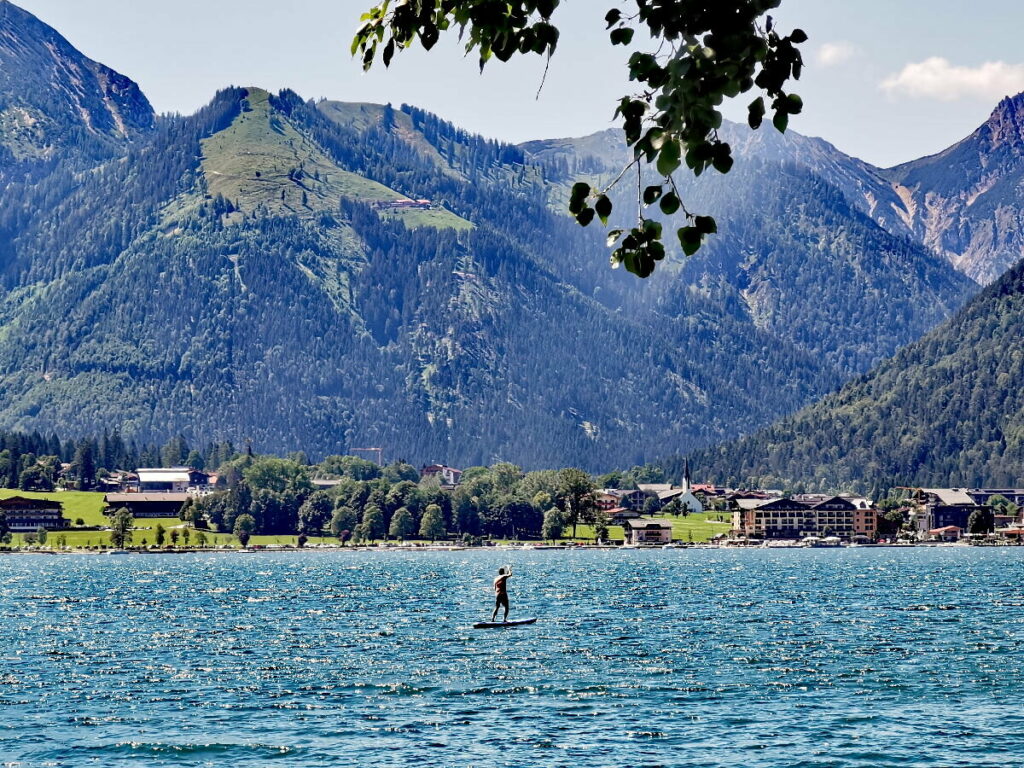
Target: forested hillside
[
  {"x": 796, "y": 253},
  {"x": 333, "y": 275},
  {"x": 945, "y": 411}
]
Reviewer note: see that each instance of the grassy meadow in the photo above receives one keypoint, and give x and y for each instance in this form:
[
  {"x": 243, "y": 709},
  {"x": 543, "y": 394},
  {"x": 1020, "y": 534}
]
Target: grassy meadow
[{"x": 696, "y": 528}]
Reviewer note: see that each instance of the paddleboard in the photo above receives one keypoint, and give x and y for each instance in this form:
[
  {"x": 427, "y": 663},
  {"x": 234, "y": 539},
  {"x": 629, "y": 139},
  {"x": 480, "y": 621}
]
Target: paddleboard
[{"x": 500, "y": 624}]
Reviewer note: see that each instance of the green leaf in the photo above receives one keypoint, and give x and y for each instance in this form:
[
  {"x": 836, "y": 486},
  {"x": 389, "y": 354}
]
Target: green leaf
[
  {"x": 644, "y": 264},
  {"x": 689, "y": 239},
  {"x": 603, "y": 206},
  {"x": 722, "y": 162},
  {"x": 798, "y": 36},
  {"x": 651, "y": 195},
  {"x": 705, "y": 225},
  {"x": 578, "y": 198},
  {"x": 612, "y": 17},
  {"x": 781, "y": 121},
  {"x": 670, "y": 203},
  {"x": 755, "y": 113},
  {"x": 622, "y": 36},
  {"x": 585, "y": 216},
  {"x": 669, "y": 157},
  {"x": 613, "y": 236}
]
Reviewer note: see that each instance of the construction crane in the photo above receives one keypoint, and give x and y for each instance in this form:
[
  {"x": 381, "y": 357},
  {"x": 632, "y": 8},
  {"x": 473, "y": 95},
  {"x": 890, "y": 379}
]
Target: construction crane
[{"x": 378, "y": 451}]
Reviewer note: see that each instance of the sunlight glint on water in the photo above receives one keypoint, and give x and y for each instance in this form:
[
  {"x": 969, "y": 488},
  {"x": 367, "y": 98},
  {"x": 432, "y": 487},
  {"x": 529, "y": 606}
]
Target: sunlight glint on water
[{"x": 665, "y": 658}]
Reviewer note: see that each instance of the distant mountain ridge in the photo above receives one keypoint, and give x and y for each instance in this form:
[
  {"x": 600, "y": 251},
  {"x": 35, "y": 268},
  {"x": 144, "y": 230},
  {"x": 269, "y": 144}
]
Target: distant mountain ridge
[
  {"x": 53, "y": 98},
  {"x": 967, "y": 202},
  {"x": 332, "y": 275}
]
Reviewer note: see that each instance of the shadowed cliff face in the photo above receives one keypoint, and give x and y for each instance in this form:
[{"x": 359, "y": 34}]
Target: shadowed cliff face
[
  {"x": 53, "y": 98},
  {"x": 967, "y": 202}
]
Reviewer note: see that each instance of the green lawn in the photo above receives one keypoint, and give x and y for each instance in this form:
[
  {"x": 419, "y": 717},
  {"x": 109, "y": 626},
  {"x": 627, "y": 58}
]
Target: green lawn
[
  {"x": 77, "y": 504},
  {"x": 695, "y": 528}
]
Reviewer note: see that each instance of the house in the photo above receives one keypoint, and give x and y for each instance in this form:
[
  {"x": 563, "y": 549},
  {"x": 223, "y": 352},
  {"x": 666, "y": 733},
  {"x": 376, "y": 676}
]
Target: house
[
  {"x": 647, "y": 531},
  {"x": 1014, "y": 532},
  {"x": 29, "y": 515},
  {"x": 171, "y": 479},
  {"x": 1005, "y": 521},
  {"x": 606, "y": 499},
  {"x": 982, "y": 495},
  {"x": 447, "y": 476},
  {"x": 684, "y": 496},
  {"x": 609, "y": 498},
  {"x": 147, "y": 504},
  {"x": 946, "y": 533},
  {"x": 620, "y": 515},
  {"x": 653, "y": 489},
  {"x": 709, "y": 490},
  {"x": 941, "y": 508},
  {"x": 403, "y": 204}
]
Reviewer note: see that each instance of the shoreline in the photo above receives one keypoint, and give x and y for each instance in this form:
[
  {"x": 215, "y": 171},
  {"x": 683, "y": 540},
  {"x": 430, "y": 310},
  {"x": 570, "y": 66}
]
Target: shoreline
[{"x": 498, "y": 548}]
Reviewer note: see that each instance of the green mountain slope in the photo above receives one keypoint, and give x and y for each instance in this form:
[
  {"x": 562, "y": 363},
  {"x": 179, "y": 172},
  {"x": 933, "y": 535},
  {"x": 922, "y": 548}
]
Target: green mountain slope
[
  {"x": 947, "y": 410},
  {"x": 211, "y": 307},
  {"x": 796, "y": 252},
  {"x": 331, "y": 275}
]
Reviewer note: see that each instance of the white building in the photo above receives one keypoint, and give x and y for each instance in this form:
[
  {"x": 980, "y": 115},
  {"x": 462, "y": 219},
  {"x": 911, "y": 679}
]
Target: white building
[
  {"x": 683, "y": 495},
  {"x": 171, "y": 480}
]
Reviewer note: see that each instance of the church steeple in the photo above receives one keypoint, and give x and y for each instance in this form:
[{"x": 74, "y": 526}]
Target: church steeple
[{"x": 686, "y": 475}]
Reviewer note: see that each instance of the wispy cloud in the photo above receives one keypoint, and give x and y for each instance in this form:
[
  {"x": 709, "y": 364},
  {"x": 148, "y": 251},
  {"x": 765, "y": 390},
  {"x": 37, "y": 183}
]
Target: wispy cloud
[
  {"x": 936, "y": 78},
  {"x": 835, "y": 53}
]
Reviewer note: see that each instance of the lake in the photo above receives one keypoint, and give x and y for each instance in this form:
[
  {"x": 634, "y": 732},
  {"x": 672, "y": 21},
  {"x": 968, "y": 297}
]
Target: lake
[{"x": 856, "y": 657}]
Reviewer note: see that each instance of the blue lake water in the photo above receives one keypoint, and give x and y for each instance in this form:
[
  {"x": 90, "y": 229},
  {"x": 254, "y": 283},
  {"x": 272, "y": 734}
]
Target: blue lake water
[{"x": 865, "y": 657}]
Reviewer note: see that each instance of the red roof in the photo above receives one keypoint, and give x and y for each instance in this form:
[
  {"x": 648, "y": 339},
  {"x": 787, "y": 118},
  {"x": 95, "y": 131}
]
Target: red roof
[{"x": 946, "y": 529}]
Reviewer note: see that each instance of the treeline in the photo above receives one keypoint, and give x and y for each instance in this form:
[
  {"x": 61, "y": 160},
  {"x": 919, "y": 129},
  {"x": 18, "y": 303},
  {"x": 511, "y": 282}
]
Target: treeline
[
  {"x": 32, "y": 461},
  {"x": 82, "y": 217},
  {"x": 277, "y": 496},
  {"x": 267, "y": 495}
]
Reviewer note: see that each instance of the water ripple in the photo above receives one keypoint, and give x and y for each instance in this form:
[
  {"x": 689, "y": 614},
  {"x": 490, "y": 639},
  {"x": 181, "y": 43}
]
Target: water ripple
[{"x": 774, "y": 659}]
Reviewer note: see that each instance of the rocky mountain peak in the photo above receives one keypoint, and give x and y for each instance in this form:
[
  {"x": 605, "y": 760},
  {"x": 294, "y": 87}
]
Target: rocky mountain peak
[
  {"x": 54, "y": 98},
  {"x": 1006, "y": 124}
]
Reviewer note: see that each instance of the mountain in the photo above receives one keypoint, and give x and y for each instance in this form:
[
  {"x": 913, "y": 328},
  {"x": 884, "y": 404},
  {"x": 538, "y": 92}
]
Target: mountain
[
  {"x": 964, "y": 204},
  {"x": 799, "y": 249},
  {"x": 947, "y": 410},
  {"x": 328, "y": 276},
  {"x": 53, "y": 99},
  {"x": 246, "y": 274},
  {"x": 967, "y": 202}
]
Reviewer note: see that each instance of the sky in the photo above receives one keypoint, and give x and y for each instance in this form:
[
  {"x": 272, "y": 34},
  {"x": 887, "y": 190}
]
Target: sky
[{"x": 886, "y": 80}]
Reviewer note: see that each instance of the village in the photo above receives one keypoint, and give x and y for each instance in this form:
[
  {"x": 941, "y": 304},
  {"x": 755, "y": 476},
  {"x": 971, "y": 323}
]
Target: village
[{"x": 647, "y": 514}]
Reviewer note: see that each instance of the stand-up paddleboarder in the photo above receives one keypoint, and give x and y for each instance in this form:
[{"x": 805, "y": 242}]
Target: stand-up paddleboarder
[{"x": 501, "y": 591}]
